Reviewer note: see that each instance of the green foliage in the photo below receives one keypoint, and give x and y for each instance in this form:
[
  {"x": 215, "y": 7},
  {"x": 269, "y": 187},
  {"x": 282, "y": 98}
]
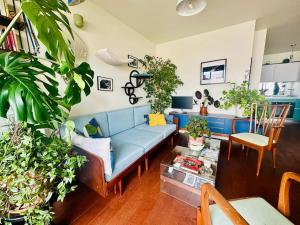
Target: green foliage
[
  {"x": 33, "y": 168},
  {"x": 163, "y": 84},
  {"x": 242, "y": 97},
  {"x": 29, "y": 87},
  {"x": 197, "y": 127},
  {"x": 47, "y": 16}
]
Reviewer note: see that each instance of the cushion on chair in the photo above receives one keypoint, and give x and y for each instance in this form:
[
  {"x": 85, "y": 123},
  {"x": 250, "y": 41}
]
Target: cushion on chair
[
  {"x": 164, "y": 130},
  {"x": 145, "y": 139},
  {"x": 257, "y": 139},
  {"x": 157, "y": 120},
  {"x": 256, "y": 211},
  {"x": 120, "y": 120},
  {"x": 139, "y": 114},
  {"x": 125, "y": 155}
]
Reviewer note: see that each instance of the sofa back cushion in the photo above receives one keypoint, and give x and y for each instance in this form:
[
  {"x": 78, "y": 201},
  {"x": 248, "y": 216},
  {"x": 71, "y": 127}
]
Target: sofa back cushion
[
  {"x": 139, "y": 114},
  {"x": 82, "y": 121},
  {"x": 120, "y": 120}
]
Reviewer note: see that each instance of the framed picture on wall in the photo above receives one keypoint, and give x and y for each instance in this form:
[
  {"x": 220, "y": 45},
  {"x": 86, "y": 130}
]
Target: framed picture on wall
[
  {"x": 134, "y": 63},
  {"x": 213, "y": 72},
  {"x": 105, "y": 84}
]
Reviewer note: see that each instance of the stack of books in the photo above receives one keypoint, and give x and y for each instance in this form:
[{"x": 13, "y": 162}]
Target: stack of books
[{"x": 188, "y": 163}]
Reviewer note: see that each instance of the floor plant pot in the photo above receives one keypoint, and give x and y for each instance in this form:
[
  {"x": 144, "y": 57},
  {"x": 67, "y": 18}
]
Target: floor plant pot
[
  {"x": 196, "y": 144},
  {"x": 203, "y": 111},
  {"x": 17, "y": 220},
  {"x": 239, "y": 112}
]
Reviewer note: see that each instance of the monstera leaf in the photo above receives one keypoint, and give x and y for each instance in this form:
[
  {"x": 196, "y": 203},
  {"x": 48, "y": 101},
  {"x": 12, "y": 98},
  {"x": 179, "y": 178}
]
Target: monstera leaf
[
  {"x": 82, "y": 81},
  {"x": 47, "y": 16},
  {"x": 29, "y": 88}
]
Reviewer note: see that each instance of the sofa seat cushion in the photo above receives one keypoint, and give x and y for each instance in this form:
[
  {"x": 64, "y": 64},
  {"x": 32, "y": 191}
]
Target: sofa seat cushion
[
  {"x": 256, "y": 211},
  {"x": 257, "y": 139},
  {"x": 164, "y": 130},
  {"x": 145, "y": 139},
  {"x": 125, "y": 154}
]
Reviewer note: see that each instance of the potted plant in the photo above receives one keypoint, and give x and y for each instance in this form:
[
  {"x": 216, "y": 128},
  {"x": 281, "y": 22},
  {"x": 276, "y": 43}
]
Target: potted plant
[
  {"x": 206, "y": 100},
  {"x": 35, "y": 166},
  {"x": 196, "y": 129},
  {"x": 163, "y": 83},
  {"x": 241, "y": 97}
]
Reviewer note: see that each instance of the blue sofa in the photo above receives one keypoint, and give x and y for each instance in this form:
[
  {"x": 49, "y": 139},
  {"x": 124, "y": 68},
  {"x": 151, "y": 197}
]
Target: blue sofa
[{"x": 132, "y": 140}]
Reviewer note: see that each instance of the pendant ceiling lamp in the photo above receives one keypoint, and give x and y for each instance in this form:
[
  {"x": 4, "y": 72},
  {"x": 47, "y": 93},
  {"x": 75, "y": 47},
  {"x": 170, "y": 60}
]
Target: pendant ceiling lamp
[{"x": 190, "y": 7}]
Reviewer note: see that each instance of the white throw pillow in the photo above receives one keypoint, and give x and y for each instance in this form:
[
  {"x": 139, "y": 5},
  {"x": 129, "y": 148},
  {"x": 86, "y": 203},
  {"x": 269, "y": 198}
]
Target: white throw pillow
[{"x": 97, "y": 146}]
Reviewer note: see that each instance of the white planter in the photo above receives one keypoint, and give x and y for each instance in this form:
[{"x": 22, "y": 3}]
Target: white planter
[{"x": 238, "y": 111}]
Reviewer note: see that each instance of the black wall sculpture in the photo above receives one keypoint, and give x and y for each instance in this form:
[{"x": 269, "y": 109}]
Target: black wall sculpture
[{"x": 136, "y": 80}]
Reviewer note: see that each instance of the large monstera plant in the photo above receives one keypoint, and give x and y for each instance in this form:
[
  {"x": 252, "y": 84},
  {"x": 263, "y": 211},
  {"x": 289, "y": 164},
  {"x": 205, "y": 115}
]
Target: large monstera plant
[
  {"x": 28, "y": 85},
  {"x": 34, "y": 167}
]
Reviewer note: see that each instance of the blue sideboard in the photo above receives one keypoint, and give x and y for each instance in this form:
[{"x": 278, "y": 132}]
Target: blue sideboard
[{"x": 217, "y": 123}]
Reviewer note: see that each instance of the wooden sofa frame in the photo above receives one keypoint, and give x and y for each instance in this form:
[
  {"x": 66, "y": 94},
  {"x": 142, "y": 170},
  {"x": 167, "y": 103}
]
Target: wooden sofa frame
[{"x": 92, "y": 174}]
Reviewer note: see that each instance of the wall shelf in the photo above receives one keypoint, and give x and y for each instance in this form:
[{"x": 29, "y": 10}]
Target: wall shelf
[{"x": 130, "y": 86}]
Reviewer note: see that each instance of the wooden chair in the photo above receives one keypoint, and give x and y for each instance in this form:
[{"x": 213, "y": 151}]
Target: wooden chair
[
  {"x": 245, "y": 211},
  {"x": 265, "y": 127}
]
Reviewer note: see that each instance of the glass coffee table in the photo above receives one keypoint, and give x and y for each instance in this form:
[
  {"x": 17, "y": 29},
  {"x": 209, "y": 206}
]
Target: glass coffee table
[{"x": 179, "y": 176}]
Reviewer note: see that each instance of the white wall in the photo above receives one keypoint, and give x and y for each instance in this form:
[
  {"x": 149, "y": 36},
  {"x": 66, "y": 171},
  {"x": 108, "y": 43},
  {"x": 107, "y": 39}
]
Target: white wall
[
  {"x": 257, "y": 57},
  {"x": 102, "y": 30},
  {"x": 234, "y": 43},
  {"x": 278, "y": 58}
]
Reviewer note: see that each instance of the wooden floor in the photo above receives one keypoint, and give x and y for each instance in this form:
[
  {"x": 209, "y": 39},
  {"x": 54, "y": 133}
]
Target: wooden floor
[{"x": 142, "y": 202}]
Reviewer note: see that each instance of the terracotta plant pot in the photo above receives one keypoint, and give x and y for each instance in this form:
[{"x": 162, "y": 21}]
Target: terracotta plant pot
[{"x": 203, "y": 111}]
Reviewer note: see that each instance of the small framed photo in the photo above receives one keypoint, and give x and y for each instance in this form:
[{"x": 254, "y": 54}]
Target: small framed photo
[
  {"x": 213, "y": 72},
  {"x": 134, "y": 63},
  {"x": 105, "y": 84}
]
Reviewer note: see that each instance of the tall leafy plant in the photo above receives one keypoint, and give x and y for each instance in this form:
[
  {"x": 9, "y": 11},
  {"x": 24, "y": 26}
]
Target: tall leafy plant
[{"x": 162, "y": 84}]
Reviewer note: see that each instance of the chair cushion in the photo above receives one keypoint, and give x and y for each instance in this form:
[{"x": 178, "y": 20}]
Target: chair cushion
[
  {"x": 81, "y": 121},
  {"x": 145, "y": 139},
  {"x": 120, "y": 120},
  {"x": 125, "y": 155},
  {"x": 139, "y": 114},
  {"x": 257, "y": 139},
  {"x": 164, "y": 130},
  {"x": 97, "y": 146},
  {"x": 256, "y": 211},
  {"x": 157, "y": 120}
]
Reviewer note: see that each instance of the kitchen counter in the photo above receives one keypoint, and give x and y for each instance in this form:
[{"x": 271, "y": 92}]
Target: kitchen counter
[{"x": 282, "y": 97}]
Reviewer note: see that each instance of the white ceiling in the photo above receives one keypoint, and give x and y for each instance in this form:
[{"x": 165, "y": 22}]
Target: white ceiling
[{"x": 157, "y": 19}]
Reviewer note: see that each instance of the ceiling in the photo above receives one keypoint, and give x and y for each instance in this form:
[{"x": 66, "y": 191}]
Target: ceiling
[{"x": 157, "y": 19}]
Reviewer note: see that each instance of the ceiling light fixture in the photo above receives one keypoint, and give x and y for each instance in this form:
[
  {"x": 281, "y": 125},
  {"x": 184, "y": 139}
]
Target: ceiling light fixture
[{"x": 190, "y": 7}]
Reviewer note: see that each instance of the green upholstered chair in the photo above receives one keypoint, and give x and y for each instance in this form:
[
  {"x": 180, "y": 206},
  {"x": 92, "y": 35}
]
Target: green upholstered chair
[
  {"x": 216, "y": 210},
  {"x": 266, "y": 123}
]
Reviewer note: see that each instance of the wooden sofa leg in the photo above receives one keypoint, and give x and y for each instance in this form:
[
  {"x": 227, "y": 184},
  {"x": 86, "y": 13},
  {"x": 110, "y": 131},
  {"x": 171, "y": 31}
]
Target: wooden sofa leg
[
  {"x": 140, "y": 170},
  {"x": 120, "y": 187},
  {"x": 146, "y": 164},
  {"x": 115, "y": 189}
]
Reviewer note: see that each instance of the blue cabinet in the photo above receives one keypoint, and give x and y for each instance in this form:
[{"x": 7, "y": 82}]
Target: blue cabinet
[
  {"x": 295, "y": 106},
  {"x": 217, "y": 123}
]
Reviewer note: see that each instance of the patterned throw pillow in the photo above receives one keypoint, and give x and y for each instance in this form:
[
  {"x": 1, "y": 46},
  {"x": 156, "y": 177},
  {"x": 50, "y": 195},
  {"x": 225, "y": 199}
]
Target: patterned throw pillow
[
  {"x": 157, "y": 120},
  {"x": 93, "y": 130},
  {"x": 169, "y": 119}
]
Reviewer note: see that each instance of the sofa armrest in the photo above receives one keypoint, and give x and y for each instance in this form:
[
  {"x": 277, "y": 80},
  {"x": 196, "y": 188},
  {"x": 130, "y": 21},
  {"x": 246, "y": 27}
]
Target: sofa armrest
[
  {"x": 176, "y": 122},
  {"x": 92, "y": 174}
]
